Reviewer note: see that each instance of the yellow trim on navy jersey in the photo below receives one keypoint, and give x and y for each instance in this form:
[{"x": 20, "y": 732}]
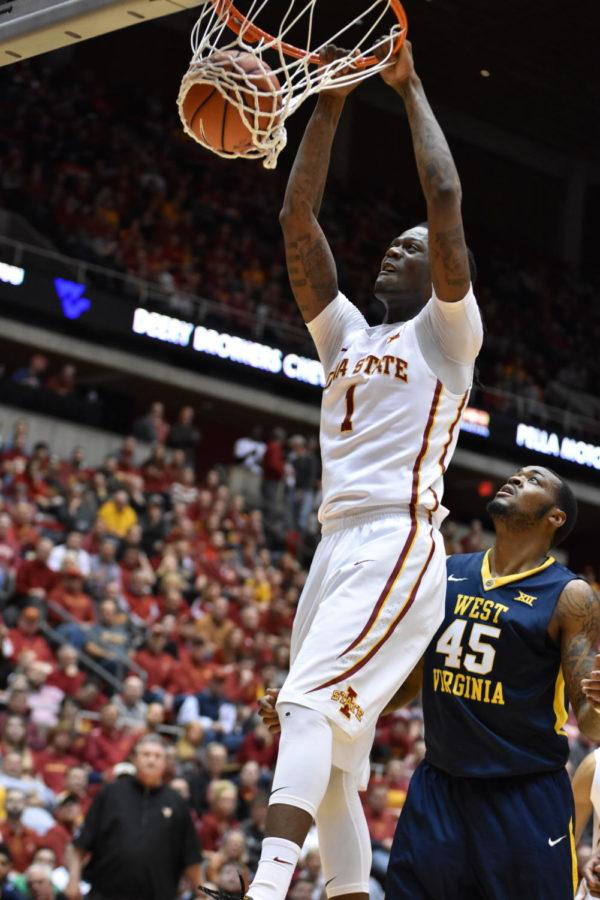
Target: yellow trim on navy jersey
[
  {"x": 560, "y": 710},
  {"x": 489, "y": 582},
  {"x": 574, "y": 867}
]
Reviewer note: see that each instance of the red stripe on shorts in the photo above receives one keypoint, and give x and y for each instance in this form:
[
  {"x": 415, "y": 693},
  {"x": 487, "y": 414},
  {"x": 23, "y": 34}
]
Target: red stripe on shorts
[{"x": 375, "y": 649}]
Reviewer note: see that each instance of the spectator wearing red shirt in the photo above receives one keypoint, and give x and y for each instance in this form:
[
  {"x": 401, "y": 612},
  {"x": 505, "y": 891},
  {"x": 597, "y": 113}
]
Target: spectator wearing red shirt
[
  {"x": 69, "y": 816},
  {"x": 259, "y": 746},
  {"x": 108, "y": 744},
  {"x": 20, "y": 840},
  {"x": 74, "y": 467},
  {"x": 71, "y": 597},
  {"x": 220, "y": 818},
  {"x": 194, "y": 669},
  {"x": 393, "y": 734},
  {"x": 53, "y": 763},
  {"x": 155, "y": 472},
  {"x": 242, "y": 684},
  {"x": 143, "y": 605},
  {"x": 380, "y": 820},
  {"x": 26, "y": 637},
  {"x": 34, "y": 577},
  {"x": 158, "y": 665},
  {"x": 67, "y": 676},
  {"x": 26, "y": 534},
  {"x": 273, "y": 464}
]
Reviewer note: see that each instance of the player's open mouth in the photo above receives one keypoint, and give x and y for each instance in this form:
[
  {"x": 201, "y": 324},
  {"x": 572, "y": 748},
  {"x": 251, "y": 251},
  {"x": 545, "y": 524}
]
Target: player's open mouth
[
  {"x": 388, "y": 267},
  {"x": 507, "y": 490}
]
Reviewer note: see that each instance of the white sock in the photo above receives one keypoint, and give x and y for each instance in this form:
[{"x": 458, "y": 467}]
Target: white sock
[{"x": 278, "y": 860}]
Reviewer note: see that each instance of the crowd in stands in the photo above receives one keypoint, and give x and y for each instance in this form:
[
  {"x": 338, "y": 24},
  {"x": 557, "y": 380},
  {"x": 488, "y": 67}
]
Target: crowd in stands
[
  {"x": 140, "y": 598},
  {"x": 112, "y": 179}
]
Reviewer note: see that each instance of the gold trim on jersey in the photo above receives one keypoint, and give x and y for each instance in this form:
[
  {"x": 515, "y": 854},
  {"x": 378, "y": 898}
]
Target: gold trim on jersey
[
  {"x": 490, "y": 582},
  {"x": 574, "y": 867},
  {"x": 560, "y": 709}
]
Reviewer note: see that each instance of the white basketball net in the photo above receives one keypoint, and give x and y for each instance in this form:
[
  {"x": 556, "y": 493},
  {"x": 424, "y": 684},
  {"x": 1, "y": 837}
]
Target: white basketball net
[{"x": 299, "y": 78}]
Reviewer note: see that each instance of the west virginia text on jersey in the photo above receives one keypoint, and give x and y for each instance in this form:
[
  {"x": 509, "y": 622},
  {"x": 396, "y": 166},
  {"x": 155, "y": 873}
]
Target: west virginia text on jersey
[{"x": 493, "y": 690}]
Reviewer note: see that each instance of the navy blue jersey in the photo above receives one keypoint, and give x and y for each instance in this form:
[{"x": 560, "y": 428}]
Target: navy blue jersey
[{"x": 494, "y": 699}]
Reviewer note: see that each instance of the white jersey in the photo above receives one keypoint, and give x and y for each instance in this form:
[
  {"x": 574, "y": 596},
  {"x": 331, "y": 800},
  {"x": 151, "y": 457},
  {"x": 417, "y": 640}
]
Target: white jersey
[
  {"x": 583, "y": 893},
  {"x": 389, "y": 426}
]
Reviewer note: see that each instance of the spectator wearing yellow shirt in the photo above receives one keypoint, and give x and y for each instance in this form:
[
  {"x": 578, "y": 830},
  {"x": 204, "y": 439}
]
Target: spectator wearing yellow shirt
[{"x": 117, "y": 514}]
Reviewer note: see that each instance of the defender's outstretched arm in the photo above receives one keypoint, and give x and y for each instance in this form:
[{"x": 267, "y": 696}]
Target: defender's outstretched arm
[
  {"x": 310, "y": 263},
  {"x": 439, "y": 181}
]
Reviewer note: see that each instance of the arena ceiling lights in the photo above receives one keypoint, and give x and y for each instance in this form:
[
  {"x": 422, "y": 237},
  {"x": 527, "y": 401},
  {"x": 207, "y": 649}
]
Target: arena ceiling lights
[{"x": 31, "y": 27}]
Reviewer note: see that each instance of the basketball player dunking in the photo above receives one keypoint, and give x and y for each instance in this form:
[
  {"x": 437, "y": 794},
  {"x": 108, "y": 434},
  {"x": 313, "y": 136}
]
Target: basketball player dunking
[{"x": 390, "y": 417}]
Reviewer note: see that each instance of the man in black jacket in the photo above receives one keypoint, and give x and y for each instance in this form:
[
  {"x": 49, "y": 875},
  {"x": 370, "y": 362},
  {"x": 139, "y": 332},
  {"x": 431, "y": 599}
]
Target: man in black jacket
[{"x": 138, "y": 838}]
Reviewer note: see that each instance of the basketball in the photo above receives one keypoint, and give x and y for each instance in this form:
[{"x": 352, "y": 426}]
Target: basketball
[{"x": 217, "y": 122}]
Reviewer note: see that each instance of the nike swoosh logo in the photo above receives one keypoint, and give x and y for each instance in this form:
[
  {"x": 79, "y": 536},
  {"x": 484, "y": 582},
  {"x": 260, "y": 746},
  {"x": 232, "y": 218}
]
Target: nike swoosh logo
[
  {"x": 454, "y": 578},
  {"x": 285, "y": 786},
  {"x": 552, "y": 843},
  {"x": 363, "y": 561},
  {"x": 284, "y": 861}
]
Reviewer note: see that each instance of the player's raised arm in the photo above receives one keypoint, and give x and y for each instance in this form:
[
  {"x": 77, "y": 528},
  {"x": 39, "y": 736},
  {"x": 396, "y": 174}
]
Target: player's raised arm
[
  {"x": 439, "y": 181},
  {"x": 578, "y": 616},
  {"x": 311, "y": 267}
]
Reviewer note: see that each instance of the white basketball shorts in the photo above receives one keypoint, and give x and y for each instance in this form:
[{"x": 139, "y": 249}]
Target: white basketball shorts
[{"x": 373, "y": 599}]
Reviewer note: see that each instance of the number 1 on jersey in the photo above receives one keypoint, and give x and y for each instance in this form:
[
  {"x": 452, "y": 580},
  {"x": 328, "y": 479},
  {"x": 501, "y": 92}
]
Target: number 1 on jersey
[{"x": 347, "y": 423}]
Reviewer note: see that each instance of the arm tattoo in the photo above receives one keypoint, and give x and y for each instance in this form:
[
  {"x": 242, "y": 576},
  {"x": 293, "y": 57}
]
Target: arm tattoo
[
  {"x": 449, "y": 248},
  {"x": 432, "y": 153},
  {"x": 441, "y": 187},
  {"x": 310, "y": 264},
  {"x": 579, "y": 616}
]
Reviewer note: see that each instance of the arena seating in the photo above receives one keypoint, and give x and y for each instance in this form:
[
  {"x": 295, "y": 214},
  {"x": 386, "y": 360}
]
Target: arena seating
[
  {"x": 137, "y": 598},
  {"x": 117, "y": 183}
]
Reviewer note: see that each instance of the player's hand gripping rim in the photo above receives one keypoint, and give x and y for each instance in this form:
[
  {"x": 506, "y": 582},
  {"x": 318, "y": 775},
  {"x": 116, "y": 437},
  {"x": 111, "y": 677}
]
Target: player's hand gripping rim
[{"x": 330, "y": 54}]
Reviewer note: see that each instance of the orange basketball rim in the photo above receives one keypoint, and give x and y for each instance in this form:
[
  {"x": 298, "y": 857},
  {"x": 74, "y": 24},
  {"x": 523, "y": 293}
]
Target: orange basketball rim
[{"x": 235, "y": 20}]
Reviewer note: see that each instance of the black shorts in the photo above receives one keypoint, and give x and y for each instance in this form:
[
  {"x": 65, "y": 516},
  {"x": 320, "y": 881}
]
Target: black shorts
[{"x": 484, "y": 839}]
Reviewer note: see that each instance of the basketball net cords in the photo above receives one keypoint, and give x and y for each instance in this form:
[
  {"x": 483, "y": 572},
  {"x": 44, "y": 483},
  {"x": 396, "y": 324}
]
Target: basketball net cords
[{"x": 299, "y": 78}]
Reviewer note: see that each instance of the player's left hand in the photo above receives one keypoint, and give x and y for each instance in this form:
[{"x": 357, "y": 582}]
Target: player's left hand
[
  {"x": 267, "y": 711},
  {"x": 330, "y": 54},
  {"x": 591, "y": 873},
  {"x": 591, "y": 685},
  {"x": 401, "y": 68}
]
